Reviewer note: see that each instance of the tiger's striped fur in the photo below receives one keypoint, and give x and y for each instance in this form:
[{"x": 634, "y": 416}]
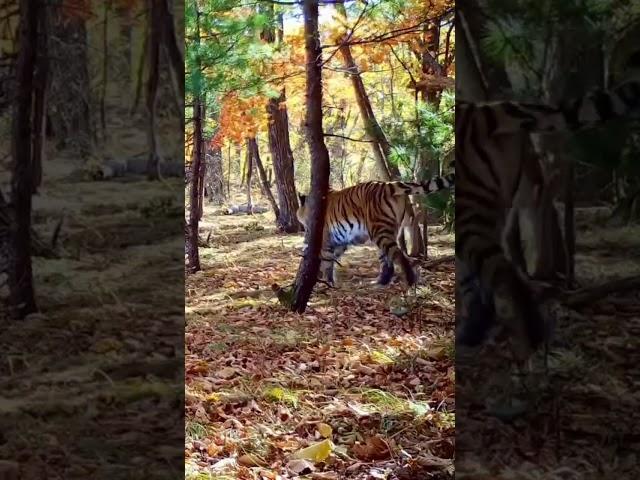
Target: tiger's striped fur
[
  {"x": 489, "y": 169},
  {"x": 375, "y": 211}
]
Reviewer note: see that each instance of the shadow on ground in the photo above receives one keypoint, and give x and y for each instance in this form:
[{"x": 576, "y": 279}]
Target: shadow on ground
[{"x": 263, "y": 383}]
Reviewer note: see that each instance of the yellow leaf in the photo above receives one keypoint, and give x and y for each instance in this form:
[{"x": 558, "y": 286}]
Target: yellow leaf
[
  {"x": 318, "y": 452},
  {"x": 325, "y": 430}
]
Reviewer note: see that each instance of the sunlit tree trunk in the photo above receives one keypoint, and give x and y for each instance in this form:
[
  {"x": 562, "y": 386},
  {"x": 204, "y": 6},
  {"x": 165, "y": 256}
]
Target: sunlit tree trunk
[
  {"x": 280, "y": 148},
  {"x": 266, "y": 186},
  {"x": 309, "y": 266},
  {"x": 380, "y": 144},
  {"x": 249, "y": 178}
]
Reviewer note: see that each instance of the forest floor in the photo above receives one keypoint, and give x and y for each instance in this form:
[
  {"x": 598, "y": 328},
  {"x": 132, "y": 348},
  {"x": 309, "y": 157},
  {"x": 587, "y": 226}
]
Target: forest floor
[
  {"x": 98, "y": 372},
  {"x": 584, "y": 422},
  {"x": 347, "y": 390}
]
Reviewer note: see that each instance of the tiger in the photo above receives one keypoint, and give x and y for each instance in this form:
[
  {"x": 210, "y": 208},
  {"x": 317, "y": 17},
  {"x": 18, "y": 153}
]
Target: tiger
[
  {"x": 377, "y": 211},
  {"x": 486, "y": 133}
]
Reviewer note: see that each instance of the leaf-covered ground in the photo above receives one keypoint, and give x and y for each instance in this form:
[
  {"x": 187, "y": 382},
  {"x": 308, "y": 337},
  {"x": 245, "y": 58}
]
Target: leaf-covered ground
[
  {"x": 88, "y": 382},
  {"x": 367, "y": 393},
  {"x": 584, "y": 422}
]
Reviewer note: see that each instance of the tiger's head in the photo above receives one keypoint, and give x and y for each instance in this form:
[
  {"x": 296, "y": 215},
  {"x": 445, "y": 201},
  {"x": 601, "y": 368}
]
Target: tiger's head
[{"x": 303, "y": 211}]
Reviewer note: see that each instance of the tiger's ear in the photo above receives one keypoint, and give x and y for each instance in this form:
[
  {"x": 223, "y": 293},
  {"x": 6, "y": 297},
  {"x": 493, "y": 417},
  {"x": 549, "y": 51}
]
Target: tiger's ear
[{"x": 303, "y": 199}]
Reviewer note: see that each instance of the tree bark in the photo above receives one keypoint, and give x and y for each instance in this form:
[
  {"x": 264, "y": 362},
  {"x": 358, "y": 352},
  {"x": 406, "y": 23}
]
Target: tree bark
[
  {"x": 280, "y": 145},
  {"x": 123, "y": 13},
  {"x": 309, "y": 266},
  {"x": 249, "y": 178},
  {"x": 380, "y": 144},
  {"x": 40, "y": 100},
  {"x": 155, "y": 39},
  {"x": 214, "y": 175},
  {"x": 266, "y": 187},
  {"x": 191, "y": 232},
  {"x": 282, "y": 158},
  {"x": 70, "y": 91},
  {"x": 21, "y": 291},
  {"x": 170, "y": 43}
]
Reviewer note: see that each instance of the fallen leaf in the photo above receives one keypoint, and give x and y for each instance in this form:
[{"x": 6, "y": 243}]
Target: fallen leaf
[
  {"x": 226, "y": 373},
  {"x": 300, "y": 466},
  {"x": 325, "y": 430},
  {"x": 374, "y": 449},
  {"x": 324, "y": 476},
  {"x": 318, "y": 452},
  {"x": 250, "y": 460}
]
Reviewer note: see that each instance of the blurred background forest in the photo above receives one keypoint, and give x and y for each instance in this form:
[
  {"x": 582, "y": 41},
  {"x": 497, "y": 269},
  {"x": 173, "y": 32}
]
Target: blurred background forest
[{"x": 580, "y": 235}]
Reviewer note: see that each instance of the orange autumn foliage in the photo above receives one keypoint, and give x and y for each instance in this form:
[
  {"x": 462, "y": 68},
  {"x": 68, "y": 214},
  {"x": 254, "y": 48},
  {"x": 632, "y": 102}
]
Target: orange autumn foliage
[{"x": 240, "y": 118}]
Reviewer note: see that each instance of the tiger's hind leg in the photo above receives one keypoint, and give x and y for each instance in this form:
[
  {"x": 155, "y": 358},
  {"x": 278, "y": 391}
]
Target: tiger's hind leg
[
  {"x": 389, "y": 249},
  {"x": 474, "y": 308},
  {"x": 386, "y": 270}
]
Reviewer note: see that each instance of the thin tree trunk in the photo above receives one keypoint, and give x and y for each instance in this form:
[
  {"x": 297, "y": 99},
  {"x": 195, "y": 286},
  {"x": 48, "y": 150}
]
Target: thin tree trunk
[
  {"x": 193, "y": 253},
  {"x": 229, "y": 172},
  {"x": 41, "y": 96},
  {"x": 266, "y": 187},
  {"x": 123, "y": 13},
  {"x": 249, "y": 177},
  {"x": 155, "y": 37},
  {"x": 105, "y": 70},
  {"x": 21, "y": 291},
  {"x": 309, "y": 266},
  {"x": 70, "y": 89},
  {"x": 569, "y": 226},
  {"x": 380, "y": 143},
  {"x": 140, "y": 71}
]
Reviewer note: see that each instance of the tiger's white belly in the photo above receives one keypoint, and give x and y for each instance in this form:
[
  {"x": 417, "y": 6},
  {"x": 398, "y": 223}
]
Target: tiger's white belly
[{"x": 345, "y": 234}]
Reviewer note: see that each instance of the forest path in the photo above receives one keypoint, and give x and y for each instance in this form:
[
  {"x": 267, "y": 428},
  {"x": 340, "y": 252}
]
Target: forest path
[{"x": 263, "y": 383}]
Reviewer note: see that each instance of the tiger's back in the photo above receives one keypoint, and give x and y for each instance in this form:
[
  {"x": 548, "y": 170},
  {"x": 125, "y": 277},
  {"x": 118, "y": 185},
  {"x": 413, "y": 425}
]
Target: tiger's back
[{"x": 373, "y": 211}]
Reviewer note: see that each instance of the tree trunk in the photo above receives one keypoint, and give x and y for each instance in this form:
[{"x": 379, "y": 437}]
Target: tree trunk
[
  {"x": 569, "y": 225},
  {"x": 214, "y": 175},
  {"x": 282, "y": 159},
  {"x": 70, "y": 90},
  {"x": 380, "y": 144},
  {"x": 22, "y": 295},
  {"x": 249, "y": 177},
  {"x": 40, "y": 100},
  {"x": 105, "y": 71},
  {"x": 309, "y": 266},
  {"x": 123, "y": 13},
  {"x": 280, "y": 147},
  {"x": 266, "y": 187},
  {"x": 155, "y": 37},
  {"x": 170, "y": 43},
  {"x": 229, "y": 171},
  {"x": 192, "y": 250}
]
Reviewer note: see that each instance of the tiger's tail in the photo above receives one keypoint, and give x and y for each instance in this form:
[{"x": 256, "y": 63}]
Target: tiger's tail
[{"x": 434, "y": 184}]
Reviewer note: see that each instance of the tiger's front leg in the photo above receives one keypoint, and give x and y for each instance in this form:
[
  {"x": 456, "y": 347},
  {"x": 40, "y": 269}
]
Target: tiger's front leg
[{"x": 328, "y": 259}]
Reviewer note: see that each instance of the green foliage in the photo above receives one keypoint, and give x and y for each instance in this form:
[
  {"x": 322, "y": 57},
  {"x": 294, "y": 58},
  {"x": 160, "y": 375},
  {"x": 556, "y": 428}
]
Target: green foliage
[
  {"x": 433, "y": 137},
  {"x": 218, "y": 61}
]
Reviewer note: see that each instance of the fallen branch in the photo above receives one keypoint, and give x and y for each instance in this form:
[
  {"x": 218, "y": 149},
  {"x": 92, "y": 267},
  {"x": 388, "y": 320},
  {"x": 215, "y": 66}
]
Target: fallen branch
[
  {"x": 437, "y": 261},
  {"x": 591, "y": 294}
]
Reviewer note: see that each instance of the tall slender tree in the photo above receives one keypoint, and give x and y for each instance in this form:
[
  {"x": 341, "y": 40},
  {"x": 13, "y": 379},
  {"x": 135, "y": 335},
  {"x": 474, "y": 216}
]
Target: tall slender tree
[
  {"x": 22, "y": 295},
  {"x": 279, "y": 143},
  {"x": 309, "y": 266}
]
